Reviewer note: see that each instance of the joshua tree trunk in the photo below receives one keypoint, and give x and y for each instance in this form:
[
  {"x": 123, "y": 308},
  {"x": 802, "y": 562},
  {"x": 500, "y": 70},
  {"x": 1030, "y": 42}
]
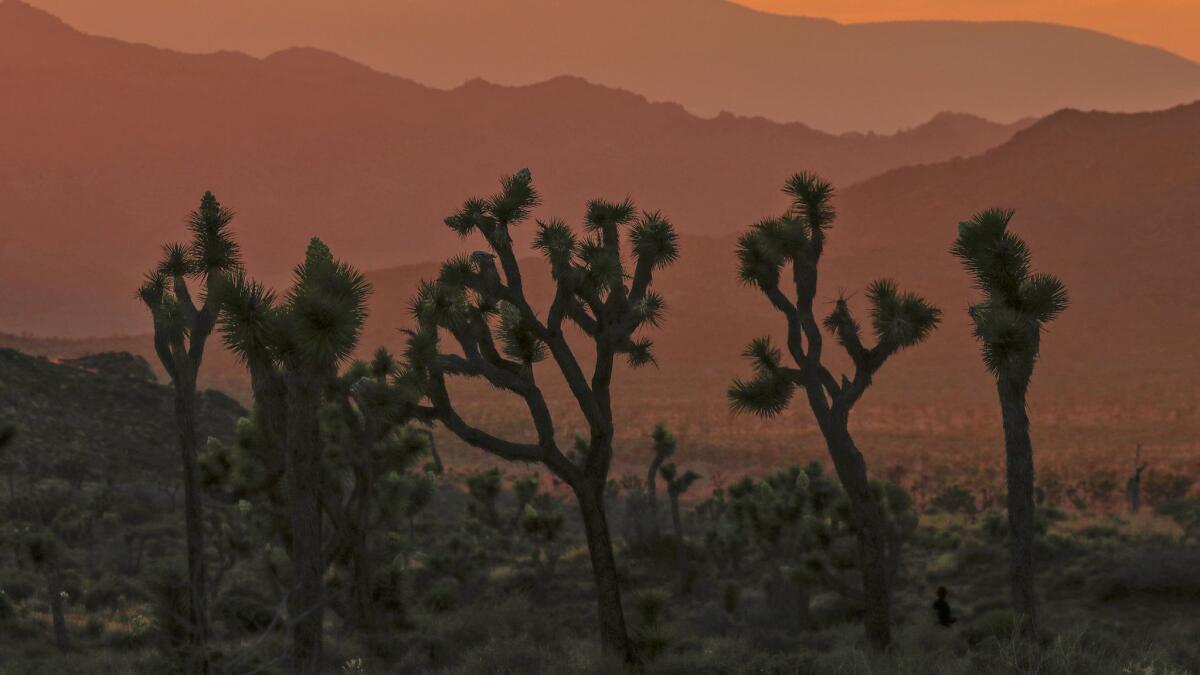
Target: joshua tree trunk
[
  {"x": 360, "y": 600},
  {"x": 613, "y": 635},
  {"x": 185, "y": 420},
  {"x": 680, "y": 550},
  {"x": 302, "y": 457},
  {"x": 873, "y": 543},
  {"x": 54, "y": 589},
  {"x": 652, "y": 495},
  {"x": 1018, "y": 449}
]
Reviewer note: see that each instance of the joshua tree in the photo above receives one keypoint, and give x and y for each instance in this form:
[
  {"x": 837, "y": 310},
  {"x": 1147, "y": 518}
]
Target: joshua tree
[
  {"x": 480, "y": 301},
  {"x": 292, "y": 350},
  {"x": 1133, "y": 487},
  {"x": 899, "y": 320},
  {"x": 541, "y": 523},
  {"x": 369, "y": 448},
  {"x": 484, "y": 488},
  {"x": 677, "y": 484},
  {"x": 664, "y": 447},
  {"x": 1017, "y": 303},
  {"x": 181, "y": 330}
]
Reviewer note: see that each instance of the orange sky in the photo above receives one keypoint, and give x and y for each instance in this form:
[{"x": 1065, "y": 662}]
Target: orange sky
[{"x": 1171, "y": 24}]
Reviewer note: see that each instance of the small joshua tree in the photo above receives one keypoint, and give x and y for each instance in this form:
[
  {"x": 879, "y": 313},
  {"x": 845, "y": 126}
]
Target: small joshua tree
[
  {"x": 484, "y": 488},
  {"x": 181, "y": 330},
  {"x": 480, "y": 302},
  {"x": 677, "y": 484},
  {"x": 292, "y": 350},
  {"x": 1133, "y": 487},
  {"x": 369, "y": 448},
  {"x": 899, "y": 320},
  {"x": 1017, "y": 304},
  {"x": 663, "y": 447},
  {"x": 541, "y": 524}
]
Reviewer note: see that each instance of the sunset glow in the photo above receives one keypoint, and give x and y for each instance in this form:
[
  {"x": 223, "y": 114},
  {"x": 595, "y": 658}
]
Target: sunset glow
[{"x": 1173, "y": 25}]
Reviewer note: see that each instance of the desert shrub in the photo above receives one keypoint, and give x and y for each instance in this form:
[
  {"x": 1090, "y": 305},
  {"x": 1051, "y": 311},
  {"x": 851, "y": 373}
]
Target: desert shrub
[
  {"x": 1163, "y": 487},
  {"x": 245, "y": 607},
  {"x": 730, "y": 597},
  {"x": 515, "y": 656},
  {"x": 830, "y": 608},
  {"x": 442, "y": 596},
  {"x": 1097, "y": 532},
  {"x": 460, "y": 556},
  {"x": 955, "y": 499},
  {"x": 94, "y": 627},
  {"x": 108, "y": 591},
  {"x": 994, "y": 525},
  {"x": 973, "y": 551},
  {"x": 999, "y": 623},
  {"x": 447, "y": 636},
  {"x": 651, "y": 606},
  {"x": 1170, "y": 572},
  {"x": 170, "y": 606},
  {"x": 8, "y": 611},
  {"x": 20, "y": 585},
  {"x": 387, "y": 590},
  {"x": 944, "y": 565}
]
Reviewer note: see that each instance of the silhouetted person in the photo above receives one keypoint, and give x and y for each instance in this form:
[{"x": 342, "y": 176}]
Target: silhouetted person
[{"x": 944, "y": 615}]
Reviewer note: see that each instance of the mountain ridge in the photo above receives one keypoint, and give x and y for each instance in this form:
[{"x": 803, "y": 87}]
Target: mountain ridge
[
  {"x": 708, "y": 57},
  {"x": 109, "y": 146}
]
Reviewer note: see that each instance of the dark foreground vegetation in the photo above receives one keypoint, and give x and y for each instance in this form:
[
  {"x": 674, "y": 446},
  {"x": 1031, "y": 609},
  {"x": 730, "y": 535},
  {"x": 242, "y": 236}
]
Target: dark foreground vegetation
[{"x": 154, "y": 528}]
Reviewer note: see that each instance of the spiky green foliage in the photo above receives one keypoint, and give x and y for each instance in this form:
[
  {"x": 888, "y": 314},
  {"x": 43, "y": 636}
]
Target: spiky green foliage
[
  {"x": 212, "y": 250},
  {"x": 519, "y": 340},
  {"x": 318, "y": 321},
  {"x": 677, "y": 483},
  {"x": 664, "y": 442},
  {"x": 249, "y": 319},
  {"x": 769, "y": 392},
  {"x": 1017, "y": 303},
  {"x": 900, "y": 319},
  {"x": 797, "y": 239}
]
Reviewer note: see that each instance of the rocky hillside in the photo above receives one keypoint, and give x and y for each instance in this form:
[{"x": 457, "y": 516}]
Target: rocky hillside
[{"x": 109, "y": 406}]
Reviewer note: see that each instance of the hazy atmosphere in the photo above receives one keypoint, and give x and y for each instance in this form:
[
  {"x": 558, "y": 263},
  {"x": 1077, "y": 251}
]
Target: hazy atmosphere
[{"x": 601, "y": 336}]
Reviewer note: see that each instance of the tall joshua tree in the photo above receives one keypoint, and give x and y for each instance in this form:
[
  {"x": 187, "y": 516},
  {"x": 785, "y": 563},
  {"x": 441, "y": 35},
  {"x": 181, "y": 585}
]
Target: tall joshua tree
[
  {"x": 664, "y": 447},
  {"x": 292, "y": 349},
  {"x": 181, "y": 330},
  {"x": 898, "y": 320},
  {"x": 1017, "y": 304},
  {"x": 480, "y": 302}
]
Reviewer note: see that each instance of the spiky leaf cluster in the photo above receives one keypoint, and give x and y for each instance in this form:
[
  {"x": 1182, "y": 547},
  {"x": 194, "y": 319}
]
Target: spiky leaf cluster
[
  {"x": 797, "y": 239},
  {"x": 1017, "y": 302},
  {"x": 479, "y": 302},
  {"x": 316, "y": 324}
]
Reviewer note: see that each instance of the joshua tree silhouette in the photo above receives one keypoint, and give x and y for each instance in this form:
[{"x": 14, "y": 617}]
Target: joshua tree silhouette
[
  {"x": 181, "y": 330},
  {"x": 1017, "y": 303},
  {"x": 292, "y": 350},
  {"x": 899, "y": 320},
  {"x": 480, "y": 302}
]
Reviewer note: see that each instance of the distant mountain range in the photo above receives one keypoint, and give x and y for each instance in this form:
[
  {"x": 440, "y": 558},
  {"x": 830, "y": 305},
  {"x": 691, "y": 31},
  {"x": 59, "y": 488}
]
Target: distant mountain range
[
  {"x": 708, "y": 55},
  {"x": 1109, "y": 202},
  {"x": 107, "y": 146}
]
